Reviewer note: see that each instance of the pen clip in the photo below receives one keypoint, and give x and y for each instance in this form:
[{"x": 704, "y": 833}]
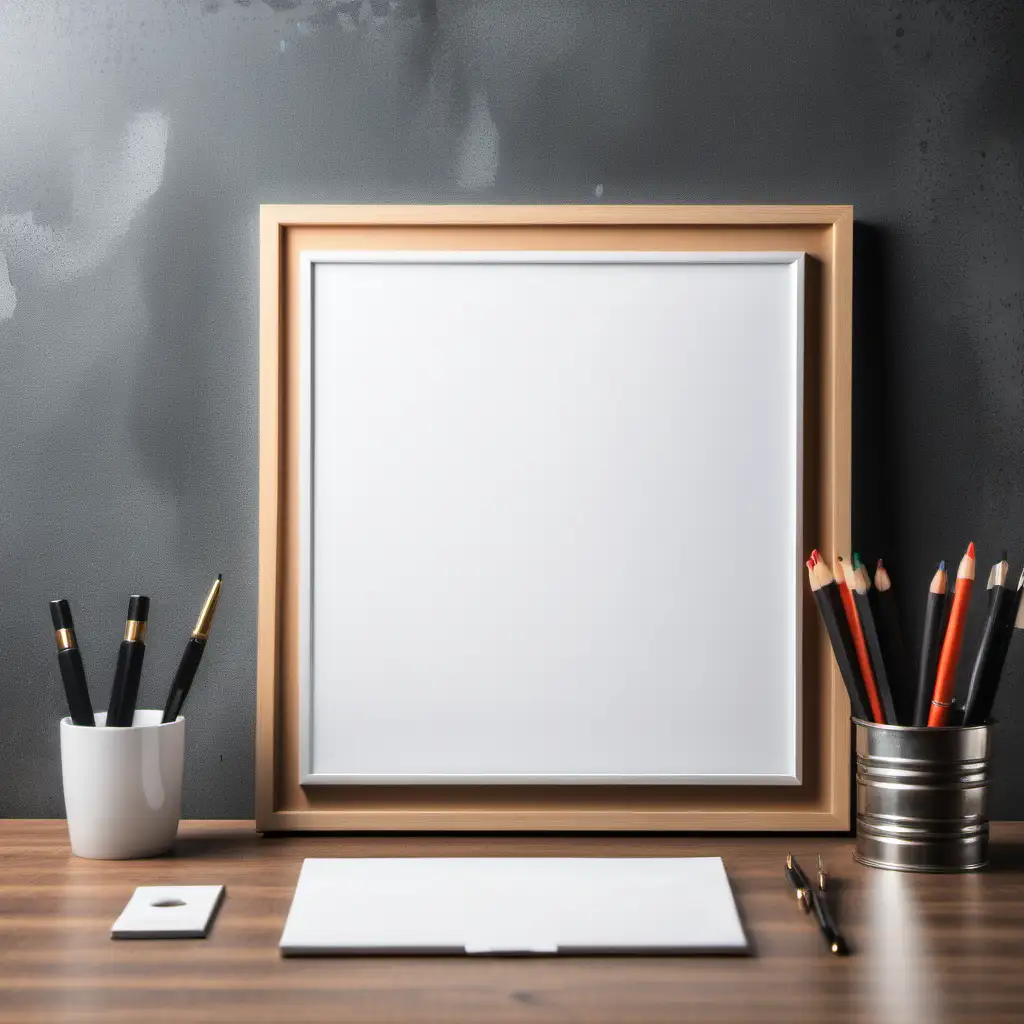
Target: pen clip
[{"x": 800, "y": 884}]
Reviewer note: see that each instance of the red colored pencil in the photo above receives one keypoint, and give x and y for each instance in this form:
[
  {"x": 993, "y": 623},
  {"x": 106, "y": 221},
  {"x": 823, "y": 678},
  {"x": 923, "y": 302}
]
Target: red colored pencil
[
  {"x": 859, "y": 643},
  {"x": 945, "y": 676}
]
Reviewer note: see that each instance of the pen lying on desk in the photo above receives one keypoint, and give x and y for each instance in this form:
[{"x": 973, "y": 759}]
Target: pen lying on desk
[
  {"x": 797, "y": 879},
  {"x": 816, "y": 900},
  {"x": 826, "y": 922}
]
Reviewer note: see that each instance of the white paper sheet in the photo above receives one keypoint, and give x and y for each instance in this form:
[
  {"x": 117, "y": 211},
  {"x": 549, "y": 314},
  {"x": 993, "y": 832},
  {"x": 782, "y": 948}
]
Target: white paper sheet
[{"x": 513, "y": 906}]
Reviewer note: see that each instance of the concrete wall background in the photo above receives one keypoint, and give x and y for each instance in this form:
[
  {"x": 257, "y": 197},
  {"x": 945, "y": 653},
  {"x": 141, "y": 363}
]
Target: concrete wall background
[{"x": 137, "y": 141}]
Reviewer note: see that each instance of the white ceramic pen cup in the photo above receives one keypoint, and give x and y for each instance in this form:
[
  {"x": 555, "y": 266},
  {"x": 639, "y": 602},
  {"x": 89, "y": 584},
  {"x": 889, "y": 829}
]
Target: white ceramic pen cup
[{"x": 122, "y": 786}]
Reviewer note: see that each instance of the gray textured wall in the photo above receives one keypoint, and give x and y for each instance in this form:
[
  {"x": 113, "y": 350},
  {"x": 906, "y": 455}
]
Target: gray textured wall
[{"x": 137, "y": 140}]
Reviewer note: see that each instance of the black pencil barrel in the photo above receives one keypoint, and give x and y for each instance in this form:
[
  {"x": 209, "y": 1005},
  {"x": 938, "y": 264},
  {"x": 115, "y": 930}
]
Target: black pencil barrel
[
  {"x": 981, "y": 695},
  {"x": 981, "y": 672},
  {"x": 879, "y": 660},
  {"x": 834, "y": 616},
  {"x": 935, "y": 614},
  {"x": 899, "y": 670}
]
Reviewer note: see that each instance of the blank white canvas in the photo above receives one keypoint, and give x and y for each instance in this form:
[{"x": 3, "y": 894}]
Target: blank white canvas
[
  {"x": 537, "y": 490},
  {"x": 492, "y": 905}
]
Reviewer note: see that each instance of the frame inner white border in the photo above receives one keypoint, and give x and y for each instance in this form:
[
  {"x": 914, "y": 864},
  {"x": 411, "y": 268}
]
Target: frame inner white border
[{"x": 308, "y": 261}]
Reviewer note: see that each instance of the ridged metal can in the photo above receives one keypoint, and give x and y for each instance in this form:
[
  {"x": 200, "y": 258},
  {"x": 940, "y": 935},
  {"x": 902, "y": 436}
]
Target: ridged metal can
[{"x": 922, "y": 797}]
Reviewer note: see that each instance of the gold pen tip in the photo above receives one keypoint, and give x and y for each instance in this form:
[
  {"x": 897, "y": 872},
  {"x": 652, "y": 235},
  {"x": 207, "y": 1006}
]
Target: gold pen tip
[
  {"x": 789, "y": 860},
  {"x": 202, "y": 626},
  {"x": 835, "y": 947}
]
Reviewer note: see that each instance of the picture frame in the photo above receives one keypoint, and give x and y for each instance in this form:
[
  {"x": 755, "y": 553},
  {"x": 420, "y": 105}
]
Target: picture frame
[{"x": 817, "y": 797}]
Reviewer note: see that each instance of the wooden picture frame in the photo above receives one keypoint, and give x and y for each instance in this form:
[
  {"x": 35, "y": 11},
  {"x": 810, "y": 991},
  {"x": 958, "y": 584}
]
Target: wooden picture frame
[{"x": 821, "y": 801}]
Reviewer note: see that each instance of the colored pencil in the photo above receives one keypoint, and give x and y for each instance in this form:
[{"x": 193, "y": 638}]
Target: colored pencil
[
  {"x": 949, "y": 656},
  {"x": 859, "y": 644},
  {"x": 991, "y": 639},
  {"x": 981, "y": 695},
  {"x": 833, "y": 593},
  {"x": 1001, "y": 567},
  {"x": 830, "y": 605},
  {"x": 935, "y": 611},
  {"x": 859, "y": 582},
  {"x": 894, "y": 650}
]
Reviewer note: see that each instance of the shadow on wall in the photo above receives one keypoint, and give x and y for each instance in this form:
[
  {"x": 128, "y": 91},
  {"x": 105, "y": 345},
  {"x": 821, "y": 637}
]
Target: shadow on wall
[{"x": 871, "y": 402}]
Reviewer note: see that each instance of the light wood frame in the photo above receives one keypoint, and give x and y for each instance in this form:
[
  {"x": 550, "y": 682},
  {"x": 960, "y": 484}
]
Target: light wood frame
[{"x": 822, "y": 800}]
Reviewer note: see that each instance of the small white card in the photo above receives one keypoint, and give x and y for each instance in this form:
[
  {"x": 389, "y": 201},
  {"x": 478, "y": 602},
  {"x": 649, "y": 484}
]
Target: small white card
[{"x": 168, "y": 912}]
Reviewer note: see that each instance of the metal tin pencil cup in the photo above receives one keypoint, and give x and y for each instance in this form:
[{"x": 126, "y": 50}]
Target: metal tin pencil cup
[{"x": 922, "y": 797}]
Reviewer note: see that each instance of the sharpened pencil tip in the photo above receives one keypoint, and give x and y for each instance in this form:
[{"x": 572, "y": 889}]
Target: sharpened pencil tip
[
  {"x": 879, "y": 565},
  {"x": 970, "y": 550},
  {"x": 942, "y": 566},
  {"x": 856, "y": 560},
  {"x": 220, "y": 576}
]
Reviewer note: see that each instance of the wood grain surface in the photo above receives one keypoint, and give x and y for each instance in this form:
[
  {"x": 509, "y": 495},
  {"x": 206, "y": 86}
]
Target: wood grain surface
[{"x": 927, "y": 948}]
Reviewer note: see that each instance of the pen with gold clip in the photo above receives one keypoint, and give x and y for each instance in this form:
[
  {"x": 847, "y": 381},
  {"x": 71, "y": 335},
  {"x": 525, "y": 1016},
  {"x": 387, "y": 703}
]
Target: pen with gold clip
[
  {"x": 826, "y": 922},
  {"x": 816, "y": 900},
  {"x": 128, "y": 672},
  {"x": 72, "y": 671},
  {"x": 799, "y": 881},
  {"x": 189, "y": 663}
]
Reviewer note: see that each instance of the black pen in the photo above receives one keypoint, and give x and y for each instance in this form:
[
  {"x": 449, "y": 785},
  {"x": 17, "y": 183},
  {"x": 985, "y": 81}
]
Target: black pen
[
  {"x": 72, "y": 671},
  {"x": 193, "y": 655},
  {"x": 799, "y": 881},
  {"x": 129, "y": 664},
  {"x": 826, "y": 922}
]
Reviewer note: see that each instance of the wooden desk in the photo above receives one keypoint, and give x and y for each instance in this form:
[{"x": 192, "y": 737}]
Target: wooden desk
[{"x": 928, "y": 948}]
